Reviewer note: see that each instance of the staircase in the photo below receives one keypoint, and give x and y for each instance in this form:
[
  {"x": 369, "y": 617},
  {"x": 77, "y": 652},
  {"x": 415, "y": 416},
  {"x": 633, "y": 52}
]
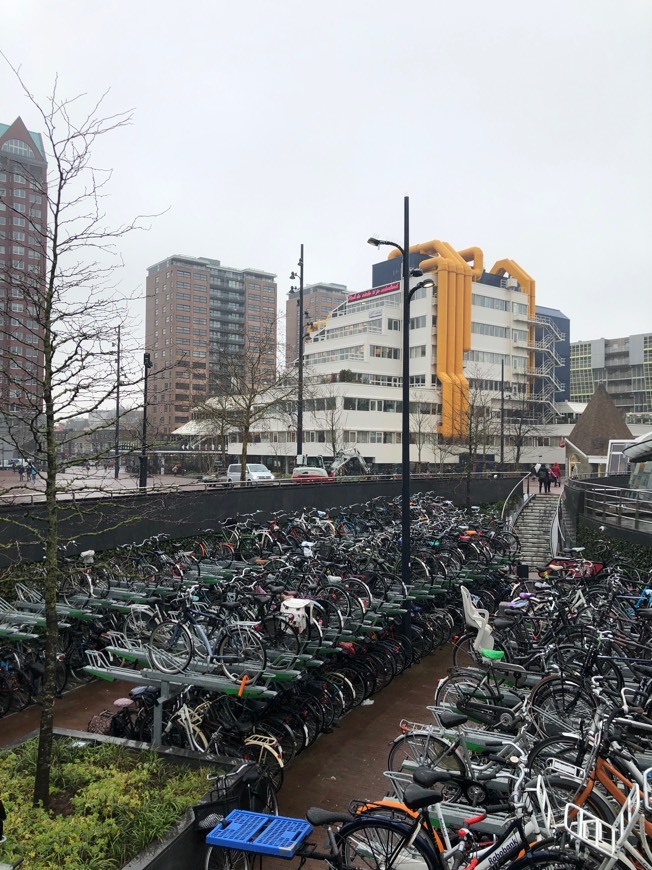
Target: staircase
[{"x": 533, "y": 527}]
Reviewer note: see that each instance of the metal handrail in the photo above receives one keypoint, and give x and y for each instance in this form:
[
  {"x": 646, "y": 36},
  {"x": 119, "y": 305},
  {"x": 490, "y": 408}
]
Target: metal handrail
[
  {"x": 614, "y": 505},
  {"x": 520, "y": 483}
]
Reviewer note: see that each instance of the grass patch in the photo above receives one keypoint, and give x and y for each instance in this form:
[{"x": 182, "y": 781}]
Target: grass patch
[{"x": 108, "y": 804}]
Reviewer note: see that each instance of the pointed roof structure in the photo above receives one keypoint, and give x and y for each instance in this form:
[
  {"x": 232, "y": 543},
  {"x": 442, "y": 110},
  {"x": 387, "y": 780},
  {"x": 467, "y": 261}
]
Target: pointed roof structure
[
  {"x": 600, "y": 423},
  {"x": 18, "y": 132}
]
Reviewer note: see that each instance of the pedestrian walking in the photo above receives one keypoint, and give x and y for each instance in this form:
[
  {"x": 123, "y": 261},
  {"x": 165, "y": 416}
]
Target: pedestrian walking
[
  {"x": 542, "y": 477},
  {"x": 556, "y": 470},
  {"x": 549, "y": 478},
  {"x": 21, "y": 473},
  {"x": 32, "y": 474}
]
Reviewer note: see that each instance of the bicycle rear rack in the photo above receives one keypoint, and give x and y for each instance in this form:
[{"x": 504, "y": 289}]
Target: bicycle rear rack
[{"x": 603, "y": 837}]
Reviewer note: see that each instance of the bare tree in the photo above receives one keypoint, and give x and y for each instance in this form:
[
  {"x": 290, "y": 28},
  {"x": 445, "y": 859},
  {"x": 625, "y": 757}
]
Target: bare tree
[
  {"x": 521, "y": 419},
  {"x": 476, "y": 430},
  {"x": 423, "y": 422},
  {"x": 326, "y": 405},
  {"x": 247, "y": 384},
  {"x": 69, "y": 320}
]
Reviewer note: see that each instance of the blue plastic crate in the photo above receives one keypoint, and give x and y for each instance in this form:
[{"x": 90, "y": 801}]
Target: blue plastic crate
[{"x": 257, "y": 832}]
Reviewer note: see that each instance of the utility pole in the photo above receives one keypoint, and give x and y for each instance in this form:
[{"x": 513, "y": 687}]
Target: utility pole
[{"x": 117, "y": 414}]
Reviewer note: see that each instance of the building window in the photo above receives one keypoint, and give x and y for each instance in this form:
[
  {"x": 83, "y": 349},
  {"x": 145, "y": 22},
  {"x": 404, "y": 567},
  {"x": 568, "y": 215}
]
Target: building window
[
  {"x": 490, "y": 329},
  {"x": 382, "y": 352},
  {"x": 394, "y": 324},
  {"x": 183, "y": 285},
  {"x": 15, "y": 146}
]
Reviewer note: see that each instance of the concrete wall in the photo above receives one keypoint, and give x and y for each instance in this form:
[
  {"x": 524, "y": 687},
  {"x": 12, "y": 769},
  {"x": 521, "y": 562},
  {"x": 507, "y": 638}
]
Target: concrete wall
[{"x": 102, "y": 524}]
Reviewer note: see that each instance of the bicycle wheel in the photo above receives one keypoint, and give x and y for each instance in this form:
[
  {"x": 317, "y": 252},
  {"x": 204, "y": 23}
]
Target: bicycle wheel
[
  {"x": 380, "y": 844},
  {"x": 282, "y": 733},
  {"x": 6, "y": 695},
  {"x": 550, "y": 858},
  {"x": 568, "y": 749},
  {"x": 138, "y": 623},
  {"x": 76, "y": 661},
  {"x": 423, "y": 750},
  {"x": 218, "y": 858},
  {"x": 170, "y": 647},
  {"x": 279, "y": 636},
  {"x": 241, "y": 653},
  {"x": 21, "y": 688},
  {"x": 559, "y": 705},
  {"x": 464, "y": 655},
  {"x": 221, "y": 552},
  {"x": 75, "y": 589},
  {"x": 265, "y": 757}
]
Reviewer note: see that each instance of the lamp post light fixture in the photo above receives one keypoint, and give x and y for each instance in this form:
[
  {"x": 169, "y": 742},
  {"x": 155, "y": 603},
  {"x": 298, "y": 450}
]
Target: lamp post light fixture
[
  {"x": 142, "y": 480},
  {"x": 293, "y": 277},
  {"x": 405, "y": 429}
]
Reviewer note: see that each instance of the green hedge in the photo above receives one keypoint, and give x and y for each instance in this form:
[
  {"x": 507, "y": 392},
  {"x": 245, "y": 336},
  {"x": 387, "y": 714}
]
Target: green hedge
[
  {"x": 638, "y": 554},
  {"x": 108, "y": 804}
]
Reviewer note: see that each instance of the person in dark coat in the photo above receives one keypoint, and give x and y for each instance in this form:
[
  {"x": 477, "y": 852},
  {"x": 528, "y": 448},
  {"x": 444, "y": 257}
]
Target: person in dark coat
[{"x": 542, "y": 477}]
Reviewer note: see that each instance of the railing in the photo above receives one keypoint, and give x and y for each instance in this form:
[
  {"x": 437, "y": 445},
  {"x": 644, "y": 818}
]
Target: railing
[
  {"x": 30, "y": 496},
  {"x": 615, "y": 506},
  {"x": 514, "y": 494}
]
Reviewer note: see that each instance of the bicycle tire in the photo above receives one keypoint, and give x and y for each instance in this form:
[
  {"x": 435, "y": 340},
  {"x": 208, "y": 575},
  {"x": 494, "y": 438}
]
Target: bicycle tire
[
  {"x": 241, "y": 653},
  {"x": 548, "y": 858},
  {"x": 559, "y": 704},
  {"x": 266, "y": 758},
  {"x": 6, "y": 695},
  {"x": 279, "y": 634},
  {"x": 423, "y": 750},
  {"x": 76, "y": 661},
  {"x": 456, "y": 688},
  {"x": 170, "y": 647},
  {"x": 280, "y": 731},
  {"x": 379, "y": 843},
  {"x": 464, "y": 655},
  {"x": 21, "y": 689},
  {"x": 218, "y": 858},
  {"x": 138, "y": 623},
  {"x": 565, "y": 748}
]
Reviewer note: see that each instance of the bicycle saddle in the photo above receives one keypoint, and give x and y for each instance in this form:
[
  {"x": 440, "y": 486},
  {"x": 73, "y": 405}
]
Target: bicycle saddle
[
  {"x": 417, "y": 798},
  {"x": 426, "y": 778},
  {"x": 317, "y": 816}
]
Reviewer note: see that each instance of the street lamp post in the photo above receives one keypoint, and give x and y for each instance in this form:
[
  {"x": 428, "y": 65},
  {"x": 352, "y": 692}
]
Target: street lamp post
[
  {"x": 405, "y": 417},
  {"x": 142, "y": 482},
  {"x": 502, "y": 414},
  {"x": 117, "y": 412},
  {"x": 293, "y": 277}
]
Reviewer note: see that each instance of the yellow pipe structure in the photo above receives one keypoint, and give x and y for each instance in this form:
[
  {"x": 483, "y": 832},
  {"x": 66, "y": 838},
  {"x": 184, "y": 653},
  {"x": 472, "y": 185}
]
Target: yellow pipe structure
[
  {"x": 476, "y": 256},
  {"x": 456, "y": 271},
  {"x": 528, "y": 287},
  {"x": 453, "y": 325}
]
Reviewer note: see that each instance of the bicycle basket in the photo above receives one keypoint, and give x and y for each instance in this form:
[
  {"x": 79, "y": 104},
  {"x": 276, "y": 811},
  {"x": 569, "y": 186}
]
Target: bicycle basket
[{"x": 246, "y": 788}]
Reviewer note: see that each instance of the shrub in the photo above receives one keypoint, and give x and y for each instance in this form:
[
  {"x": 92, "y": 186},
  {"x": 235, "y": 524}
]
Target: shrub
[{"x": 108, "y": 804}]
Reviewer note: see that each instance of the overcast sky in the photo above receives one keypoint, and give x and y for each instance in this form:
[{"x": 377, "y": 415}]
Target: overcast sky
[{"x": 523, "y": 128}]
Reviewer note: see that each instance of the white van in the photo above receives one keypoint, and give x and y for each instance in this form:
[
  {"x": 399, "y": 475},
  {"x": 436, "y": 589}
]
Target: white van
[{"x": 256, "y": 473}]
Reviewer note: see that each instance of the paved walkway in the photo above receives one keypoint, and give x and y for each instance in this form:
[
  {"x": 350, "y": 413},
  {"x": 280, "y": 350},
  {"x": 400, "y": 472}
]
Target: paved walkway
[{"x": 343, "y": 765}]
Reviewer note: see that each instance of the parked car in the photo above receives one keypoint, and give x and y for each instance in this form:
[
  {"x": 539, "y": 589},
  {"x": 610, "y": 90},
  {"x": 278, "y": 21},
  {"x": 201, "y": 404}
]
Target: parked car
[{"x": 256, "y": 473}]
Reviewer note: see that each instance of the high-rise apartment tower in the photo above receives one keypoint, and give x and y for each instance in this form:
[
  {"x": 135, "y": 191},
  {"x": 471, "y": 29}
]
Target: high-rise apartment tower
[
  {"x": 199, "y": 312},
  {"x": 23, "y": 237}
]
